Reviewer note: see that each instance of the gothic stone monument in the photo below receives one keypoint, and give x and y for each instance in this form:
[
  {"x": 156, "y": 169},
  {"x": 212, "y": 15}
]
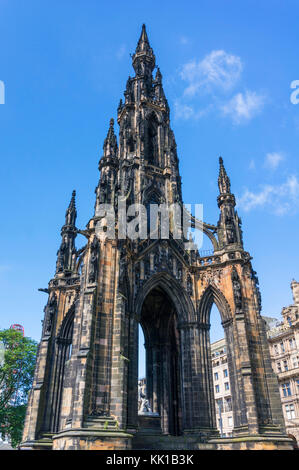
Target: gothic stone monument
[{"x": 85, "y": 390}]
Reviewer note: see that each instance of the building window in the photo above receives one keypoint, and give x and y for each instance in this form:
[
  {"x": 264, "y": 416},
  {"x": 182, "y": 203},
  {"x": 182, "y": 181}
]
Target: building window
[
  {"x": 295, "y": 361},
  {"x": 292, "y": 343},
  {"x": 282, "y": 347},
  {"x": 297, "y": 382},
  {"x": 228, "y": 404},
  {"x": 217, "y": 389},
  {"x": 290, "y": 411},
  {"x": 219, "y": 405},
  {"x": 278, "y": 367},
  {"x": 285, "y": 365},
  {"x": 230, "y": 421},
  {"x": 286, "y": 390},
  {"x": 289, "y": 321},
  {"x": 216, "y": 375},
  {"x": 226, "y": 386},
  {"x": 225, "y": 373},
  {"x": 275, "y": 349}
]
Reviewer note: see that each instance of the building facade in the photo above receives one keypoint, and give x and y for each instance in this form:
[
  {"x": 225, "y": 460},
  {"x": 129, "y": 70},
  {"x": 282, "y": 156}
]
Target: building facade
[
  {"x": 222, "y": 389},
  {"x": 283, "y": 340},
  {"x": 85, "y": 391}
]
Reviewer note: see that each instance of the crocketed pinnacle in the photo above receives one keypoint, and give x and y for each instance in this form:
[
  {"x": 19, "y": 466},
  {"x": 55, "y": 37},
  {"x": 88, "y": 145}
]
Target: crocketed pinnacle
[{"x": 223, "y": 179}]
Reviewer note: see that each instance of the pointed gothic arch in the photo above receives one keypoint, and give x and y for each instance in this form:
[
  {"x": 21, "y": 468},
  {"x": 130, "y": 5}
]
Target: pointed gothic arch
[
  {"x": 174, "y": 290},
  {"x": 213, "y": 295},
  {"x": 152, "y": 138},
  {"x": 63, "y": 349}
]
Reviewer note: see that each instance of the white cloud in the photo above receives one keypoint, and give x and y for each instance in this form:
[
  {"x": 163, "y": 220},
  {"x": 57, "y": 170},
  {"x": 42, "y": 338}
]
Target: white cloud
[
  {"x": 217, "y": 70},
  {"x": 281, "y": 198},
  {"x": 244, "y": 106},
  {"x": 186, "y": 111},
  {"x": 273, "y": 159}
]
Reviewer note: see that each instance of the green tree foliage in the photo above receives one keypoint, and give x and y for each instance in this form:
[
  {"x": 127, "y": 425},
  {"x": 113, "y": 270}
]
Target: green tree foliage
[{"x": 16, "y": 376}]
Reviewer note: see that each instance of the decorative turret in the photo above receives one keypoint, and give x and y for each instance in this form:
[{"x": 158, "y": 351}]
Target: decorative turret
[
  {"x": 229, "y": 225},
  {"x": 67, "y": 251},
  {"x": 110, "y": 143},
  {"x": 71, "y": 213},
  {"x": 223, "y": 179},
  {"x": 108, "y": 165},
  {"x": 159, "y": 92}
]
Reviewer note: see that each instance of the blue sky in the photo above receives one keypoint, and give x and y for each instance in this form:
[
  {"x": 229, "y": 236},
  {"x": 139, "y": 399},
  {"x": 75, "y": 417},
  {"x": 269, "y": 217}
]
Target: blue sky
[{"x": 227, "y": 69}]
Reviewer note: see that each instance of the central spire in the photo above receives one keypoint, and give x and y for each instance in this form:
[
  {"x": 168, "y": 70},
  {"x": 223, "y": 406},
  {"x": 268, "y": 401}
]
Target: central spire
[{"x": 144, "y": 57}]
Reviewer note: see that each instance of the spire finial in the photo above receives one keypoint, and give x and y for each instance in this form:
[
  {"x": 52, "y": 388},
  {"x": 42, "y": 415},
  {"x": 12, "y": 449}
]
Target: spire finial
[
  {"x": 110, "y": 143},
  {"x": 144, "y": 58},
  {"x": 223, "y": 179},
  {"x": 71, "y": 213}
]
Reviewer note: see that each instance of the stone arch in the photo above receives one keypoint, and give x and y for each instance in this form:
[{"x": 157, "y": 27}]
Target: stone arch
[
  {"x": 152, "y": 192},
  {"x": 159, "y": 317},
  {"x": 213, "y": 295},
  {"x": 164, "y": 349},
  {"x": 63, "y": 349},
  {"x": 173, "y": 289}
]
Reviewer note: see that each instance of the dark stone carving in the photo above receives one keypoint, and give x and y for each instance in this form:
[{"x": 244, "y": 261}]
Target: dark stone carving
[
  {"x": 94, "y": 260},
  {"x": 61, "y": 257},
  {"x": 189, "y": 285},
  {"x": 257, "y": 289},
  {"x": 237, "y": 290},
  {"x": 50, "y": 312}
]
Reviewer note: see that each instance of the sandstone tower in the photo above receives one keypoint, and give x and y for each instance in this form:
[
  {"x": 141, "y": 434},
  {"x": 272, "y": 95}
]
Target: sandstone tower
[{"x": 85, "y": 388}]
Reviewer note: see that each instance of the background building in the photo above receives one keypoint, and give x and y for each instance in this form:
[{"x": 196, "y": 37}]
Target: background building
[
  {"x": 222, "y": 393},
  {"x": 283, "y": 338}
]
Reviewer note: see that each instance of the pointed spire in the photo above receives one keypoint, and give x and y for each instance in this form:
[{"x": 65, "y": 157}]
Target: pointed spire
[
  {"x": 65, "y": 259},
  {"x": 110, "y": 143},
  {"x": 143, "y": 43},
  {"x": 144, "y": 58},
  {"x": 223, "y": 179},
  {"x": 71, "y": 212}
]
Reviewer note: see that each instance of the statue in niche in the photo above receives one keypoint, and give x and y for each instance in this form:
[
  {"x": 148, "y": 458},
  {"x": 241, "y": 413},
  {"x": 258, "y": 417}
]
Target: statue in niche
[
  {"x": 237, "y": 290},
  {"x": 230, "y": 235},
  {"x": 179, "y": 272},
  {"x": 61, "y": 257},
  {"x": 51, "y": 308},
  {"x": 93, "y": 265},
  {"x": 189, "y": 286},
  {"x": 143, "y": 403}
]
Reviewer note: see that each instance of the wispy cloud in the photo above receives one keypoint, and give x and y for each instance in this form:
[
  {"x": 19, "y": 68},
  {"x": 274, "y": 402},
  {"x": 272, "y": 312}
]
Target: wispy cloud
[
  {"x": 184, "y": 40},
  {"x": 121, "y": 51},
  {"x": 217, "y": 70},
  {"x": 272, "y": 160},
  {"x": 281, "y": 199},
  {"x": 244, "y": 106},
  {"x": 218, "y": 73},
  {"x": 186, "y": 111}
]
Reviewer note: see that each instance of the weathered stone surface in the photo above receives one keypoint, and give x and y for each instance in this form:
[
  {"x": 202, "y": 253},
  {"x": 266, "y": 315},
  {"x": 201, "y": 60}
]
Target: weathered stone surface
[{"x": 84, "y": 394}]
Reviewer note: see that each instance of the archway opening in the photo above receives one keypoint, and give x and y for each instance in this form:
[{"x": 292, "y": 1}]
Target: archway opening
[
  {"x": 221, "y": 375},
  {"x": 141, "y": 354},
  {"x": 162, "y": 366}
]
